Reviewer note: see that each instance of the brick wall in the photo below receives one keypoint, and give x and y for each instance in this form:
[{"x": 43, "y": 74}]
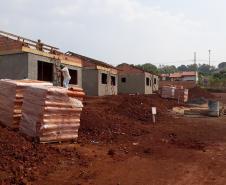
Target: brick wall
[
  {"x": 127, "y": 69},
  {"x": 7, "y": 44}
]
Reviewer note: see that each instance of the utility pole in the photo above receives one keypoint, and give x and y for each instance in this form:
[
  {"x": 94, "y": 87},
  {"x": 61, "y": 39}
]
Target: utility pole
[
  {"x": 194, "y": 57},
  {"x": 195, "y": 60},
  {"x": 209, "y": 56}
]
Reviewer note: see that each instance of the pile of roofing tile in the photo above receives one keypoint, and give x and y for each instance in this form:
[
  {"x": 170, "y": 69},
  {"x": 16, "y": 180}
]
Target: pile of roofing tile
[
  {"x": 52, "y": 114},
  {"x": 11, "y": 100},
  {"x": 175, "y": 92}
]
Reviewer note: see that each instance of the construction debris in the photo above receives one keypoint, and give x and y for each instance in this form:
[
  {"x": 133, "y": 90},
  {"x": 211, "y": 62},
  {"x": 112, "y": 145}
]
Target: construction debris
[
  {"x": 51, "y": 114},
  {"x": 11, "y": 100},
  {"x": 175, "y": 92},
  {"x": 211, "y": 109}
]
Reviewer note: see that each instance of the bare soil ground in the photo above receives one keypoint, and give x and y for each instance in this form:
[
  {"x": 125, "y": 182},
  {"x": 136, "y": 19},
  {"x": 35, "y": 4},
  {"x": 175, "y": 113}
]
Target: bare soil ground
[
  {"x": 220, "y": 96},
  {"x": 119, "y": 145}
]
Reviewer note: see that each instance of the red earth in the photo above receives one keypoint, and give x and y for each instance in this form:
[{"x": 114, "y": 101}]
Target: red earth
[{"x": 119, "y": 145}]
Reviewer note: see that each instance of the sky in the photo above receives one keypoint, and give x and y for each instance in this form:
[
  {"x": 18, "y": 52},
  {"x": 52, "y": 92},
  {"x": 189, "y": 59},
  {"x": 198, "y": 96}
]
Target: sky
[{"x": 162, "y": 32}]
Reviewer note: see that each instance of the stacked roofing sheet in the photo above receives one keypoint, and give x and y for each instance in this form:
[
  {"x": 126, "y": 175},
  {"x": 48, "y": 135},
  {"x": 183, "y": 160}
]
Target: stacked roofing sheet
[
  {"x": 11, "y": 100},
  {"x": 51, "y": 113},
  {"x": 174, "y": 92}
]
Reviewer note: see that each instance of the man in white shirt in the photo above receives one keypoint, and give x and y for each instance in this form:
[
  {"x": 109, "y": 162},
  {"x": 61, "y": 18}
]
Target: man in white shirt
[{"x": 66, "y": 75}]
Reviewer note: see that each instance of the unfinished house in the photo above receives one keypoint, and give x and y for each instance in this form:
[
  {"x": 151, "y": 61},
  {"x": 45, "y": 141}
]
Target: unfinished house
[
  {"x": 133, "y": 80},
  {"x": 181, "y": 76},
  {"x": 22, "y": 58},
  {"x": 98, "y": 78}
]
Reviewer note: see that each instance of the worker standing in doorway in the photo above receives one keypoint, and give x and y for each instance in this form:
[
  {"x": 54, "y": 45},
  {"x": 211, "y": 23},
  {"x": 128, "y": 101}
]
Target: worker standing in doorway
[{"x": 66, "y": 75}]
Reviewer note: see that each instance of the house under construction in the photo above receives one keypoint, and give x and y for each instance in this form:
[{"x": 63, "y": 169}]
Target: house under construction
[
  {"x": 98, "y": 78},
  {"x": 133, "y": 80},
  {"x": 22, "y": 58}
]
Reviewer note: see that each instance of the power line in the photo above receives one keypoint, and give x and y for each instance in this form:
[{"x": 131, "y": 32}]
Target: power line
[{"x": 188, "y": 61}]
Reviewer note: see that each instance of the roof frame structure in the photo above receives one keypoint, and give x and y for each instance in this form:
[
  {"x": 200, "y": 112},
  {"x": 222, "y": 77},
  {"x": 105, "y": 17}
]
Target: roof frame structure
[
  {"x": 88, "y": 59},
  {"x": 28, "y": 42}
]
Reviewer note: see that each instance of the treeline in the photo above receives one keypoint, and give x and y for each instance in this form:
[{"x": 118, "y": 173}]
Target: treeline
[{"x": 203, "y": 69}]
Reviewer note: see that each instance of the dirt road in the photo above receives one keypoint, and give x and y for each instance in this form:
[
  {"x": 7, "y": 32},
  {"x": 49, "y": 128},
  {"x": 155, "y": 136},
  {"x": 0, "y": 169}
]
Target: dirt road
[
  {"x": 181, "y": 152},
  {"x": 174, "y": 151}
]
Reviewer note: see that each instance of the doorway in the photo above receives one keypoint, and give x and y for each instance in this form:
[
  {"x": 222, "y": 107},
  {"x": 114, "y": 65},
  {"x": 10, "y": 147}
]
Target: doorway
[{"x": 45, "y": 71}]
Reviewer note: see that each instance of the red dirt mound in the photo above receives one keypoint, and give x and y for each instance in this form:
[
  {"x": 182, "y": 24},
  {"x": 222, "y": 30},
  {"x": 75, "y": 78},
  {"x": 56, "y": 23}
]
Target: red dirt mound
[
  {"x": 23, "y": 161},
  {"x": 138, "y": 107},
  {"x": 105, "y": 118},
  {"x": 198, "y": 92}
]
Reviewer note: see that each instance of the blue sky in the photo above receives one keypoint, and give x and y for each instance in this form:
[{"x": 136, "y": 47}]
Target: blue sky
[{"x": 116, "y": 31}]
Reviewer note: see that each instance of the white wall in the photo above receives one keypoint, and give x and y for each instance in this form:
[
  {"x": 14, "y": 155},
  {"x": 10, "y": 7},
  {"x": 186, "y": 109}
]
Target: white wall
[{"x": 189, "y": 78}]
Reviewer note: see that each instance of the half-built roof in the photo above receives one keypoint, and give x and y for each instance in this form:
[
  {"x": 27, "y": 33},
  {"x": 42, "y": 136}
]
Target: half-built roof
[
  {"x": 87, "y": 61},
  {"x": 189, "y": 73},
  {"x": 125, "y": 68},
  {"x": 176, "y": 75},
  {"x": 11, "y": 44},
  {"x": 165, "y": 75},
  {"x": 183, "y": 74}
]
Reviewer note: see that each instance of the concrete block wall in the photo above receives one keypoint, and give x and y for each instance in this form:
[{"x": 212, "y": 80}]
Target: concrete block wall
[
  {"x": 14, "y": 66},
  {"x": 79, "y": 74},
  {"x": 155, "y": 86},
  {"x": 107, "y": 89},
  {"x": 135, "y": 83},
  {"x": 135, "y": 80},
  {"x": 148, "y": 88},
  {"x": 33, "y": 65},
  {"x": 90, "y": 81}
]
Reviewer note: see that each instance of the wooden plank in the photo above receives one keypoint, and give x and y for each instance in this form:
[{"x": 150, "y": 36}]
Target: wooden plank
[{"x": 63, "y": 58}]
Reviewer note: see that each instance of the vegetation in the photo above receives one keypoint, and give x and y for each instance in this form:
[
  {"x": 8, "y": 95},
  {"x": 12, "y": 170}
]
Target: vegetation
[
  {"x": 148, "y": 67},
  {"x": 204, "y": 69},
  {"x": 209, "y": 76}
]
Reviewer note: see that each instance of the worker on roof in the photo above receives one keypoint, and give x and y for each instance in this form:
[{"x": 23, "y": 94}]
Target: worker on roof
[
  {"x": 66, "y": 75},
  {"x": 39, "y": 45}
]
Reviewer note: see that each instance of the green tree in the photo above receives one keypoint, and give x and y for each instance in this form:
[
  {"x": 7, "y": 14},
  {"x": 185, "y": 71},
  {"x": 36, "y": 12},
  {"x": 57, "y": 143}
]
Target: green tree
[
  {"x": 221, "y": 75},
  {"x": 205, "y": 69},
  {"x": 192, "y": 67},
  {"x": 167, "y": 69},
  {"x": 182, "y": 68},
  {"x": 148, "y": 67},
  {"x": 222, "y": 65}
]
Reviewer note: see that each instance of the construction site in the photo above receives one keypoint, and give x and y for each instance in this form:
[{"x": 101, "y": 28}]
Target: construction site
[{"x": 111, "y": 126}]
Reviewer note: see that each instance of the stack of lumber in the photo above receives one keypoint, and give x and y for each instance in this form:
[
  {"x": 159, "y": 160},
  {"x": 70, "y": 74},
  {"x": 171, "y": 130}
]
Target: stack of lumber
[
  {"x": 11, "y": 100},
  {"x": 52, "y": 114},
  {"x": 175, "y": 92}
]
